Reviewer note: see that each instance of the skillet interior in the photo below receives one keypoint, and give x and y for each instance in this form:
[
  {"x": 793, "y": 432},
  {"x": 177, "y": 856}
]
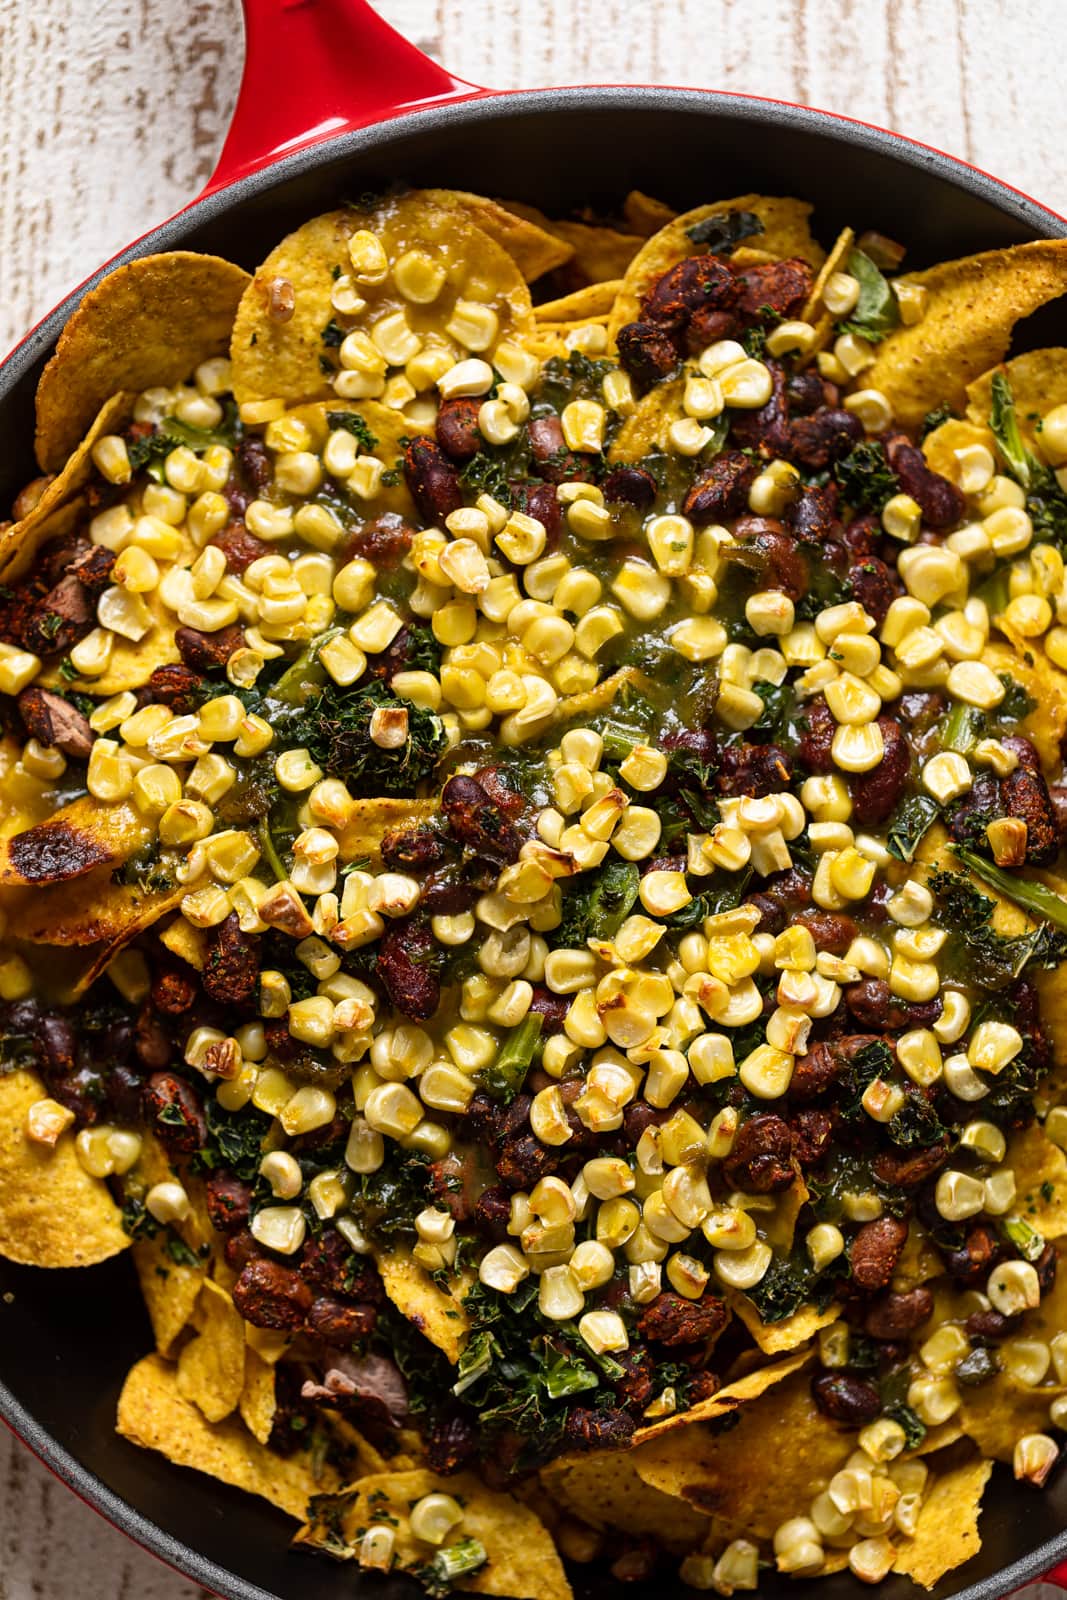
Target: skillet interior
[{"x": 68, "y": 1338}]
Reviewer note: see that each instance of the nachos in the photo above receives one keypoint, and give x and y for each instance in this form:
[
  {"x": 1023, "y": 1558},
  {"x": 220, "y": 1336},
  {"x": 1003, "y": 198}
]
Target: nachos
[{"x": 531, "y": 882}]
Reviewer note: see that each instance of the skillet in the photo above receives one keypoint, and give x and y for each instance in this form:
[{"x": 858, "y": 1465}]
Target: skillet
[{"x": 333, "y": 103}]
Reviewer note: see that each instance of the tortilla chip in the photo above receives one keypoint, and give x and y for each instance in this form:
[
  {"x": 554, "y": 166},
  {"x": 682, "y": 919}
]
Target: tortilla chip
[
  {"x": 1041, "y": 1180},
  {"x": 940, "y": 446},
  {"x": 533, "y": 249},
  {"x": 60, "y": 507},
  {"x": 839, "y": 253},
  {"x": 947, "y": 1532},
  {"x": 727, "y": 1399},
  {"x": 387, "y": 426},
  {"x": 153, "y": 1414},
  {"x": 791, "y": 1332},
  {"x": 1046, "y": 685},
  {"x": 997, "y": 1413},
  {"x": 371, "y": 820},
  {"x": 258, "y": 1401},
  {"x": 758, "y": 1473},
  {"x": 918, "y": 1263},
  {"x": 132, "y": 662},
  {"x": 595, "y": 300},
  {"x": 170, "y": 1288},
  {"x": 605, "y": 1490},
  {"x": 438, "y": 1314},
  {"x": 211, "y": 1367},
  {"x": 1038, "y": 382},
  {"x": 972, "y": 307},
  {"x": 647, "y": 426},
  {"x": 598, "y": 252},
  {"x": 85, "y": 834},
  {"x": 52, "y": 1213},
  {"x": 152, "y": 321},
  {"x": 785, "y": 233},
  {"x": 644, "y": 214},
  {"x": 523, "y": 1561},
  {"x": 360, "y": 1453},
  {"x": 284, "y": 360},
  {"x": 94, "y": 909}
]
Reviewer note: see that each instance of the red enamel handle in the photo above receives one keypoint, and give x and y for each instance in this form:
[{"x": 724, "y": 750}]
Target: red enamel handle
[{"x": 316, "y": 68}]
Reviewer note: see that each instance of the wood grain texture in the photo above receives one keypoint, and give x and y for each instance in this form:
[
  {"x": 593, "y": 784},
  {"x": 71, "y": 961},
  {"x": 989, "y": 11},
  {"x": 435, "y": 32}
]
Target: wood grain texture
[{"x": 111, "y": 116}]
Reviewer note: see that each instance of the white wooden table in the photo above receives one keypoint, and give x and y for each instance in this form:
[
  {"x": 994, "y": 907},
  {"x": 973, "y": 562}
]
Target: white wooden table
[{"x": 112, "y": 113}]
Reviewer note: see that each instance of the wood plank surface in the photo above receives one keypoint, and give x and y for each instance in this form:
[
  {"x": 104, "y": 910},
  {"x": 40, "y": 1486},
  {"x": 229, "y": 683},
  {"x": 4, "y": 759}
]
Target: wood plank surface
[{"x": 112, "y": 113}]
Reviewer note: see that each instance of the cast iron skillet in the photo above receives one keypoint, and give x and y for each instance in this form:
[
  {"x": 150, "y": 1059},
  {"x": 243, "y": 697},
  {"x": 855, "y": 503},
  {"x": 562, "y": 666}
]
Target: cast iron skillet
[{"x": 334, "y": 103}]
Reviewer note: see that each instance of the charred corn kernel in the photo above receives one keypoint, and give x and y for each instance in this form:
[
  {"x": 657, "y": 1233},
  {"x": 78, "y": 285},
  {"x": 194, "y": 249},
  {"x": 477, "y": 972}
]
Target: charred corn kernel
[
  {"x": 975, "y": 684},
  {"x": 698, "y": 638},
  {"x": 559, "y": 1298},
  {"x": 959, "y": 1196},
  {"x": 503, "y": 1268},
  {"x": 641, "y": 590},
  {"x": 747, "y": 385},
  {"x": 688, "y": 437},
  {"x": 283, "y": 1174},
  {"x": 1029, "y": 614},
  {"x": 663, "y": 893},
  {"x": 1034, "y": 1457},
  {"x": 962, "y": 1081},
  {"x": 934, "y": 1399},
  {"x": 1012, "y": 1287},
  {"x": 467, "y": 378},
  {"x": 167, "y": 1202},
  {"x": 582, "y": 422},
  {"x": 1009, "y": 530},
  {"x": 766, "y": 1072},
  {"x": 872, "y": 1559},
  {"x": 851, "y": 700},
  {"x": 913, "y": 980},
  {"x": 670, "y": 539},
  {"x": 840, "y": 293},
  {"x": 742, "y": 1269},
  {"x": 902, "y": 518},
  {"x": 946, "y": 776},
  {"x": 365, "y": 1149},
  {"x": 993, "y": 1045},
  {"x": 1056, "y": 1126},
  {"x": 1026, "y": 1360},
  {"x": 857, "y": 748},
  {"x": 391, "y": 1108},
  {"x": 872, "y": 408},
  {"x": 353, "y": 587},
  {"x": 854, "y": 354},
  {"x": 473, "y": 325},
  {"x": 824, "y": 1243}
]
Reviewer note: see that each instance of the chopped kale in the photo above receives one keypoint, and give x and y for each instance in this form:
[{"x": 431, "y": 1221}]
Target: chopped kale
[
  {"x": 916, "y": 1125},
  {"x": 335, "y": 730},
  {"x": 503, "y": 1079},
  {"x": 909, "y": 1420},
  {"x": 138, "y": 1221},
  {"x": 487, "y": 474},
  {"x": 235, "y": 1139},
  {"x": 934, "y": 419},
  {"x": 354, "y": 424},
  {"x": 595, "y": 904},
  {"x": 789, "y": 1284},
  {"x": 389, "y": 1200},
  {"x": 779, "y": 704},
  {"x": 1016, "y": 704},
  {"x": 908, "y": 825},
  {"x": 876, "y": 312},
  {"x": 180, "y": 1252},
  {"x": 333, "y": 335},
  {"x": 976, "y": 951},
  {"x": 691, "y": 779},
  {"x": 865, "y": 478},
  {"x": 723, "y": 232},
  {"x": 1021, "y": 462}
]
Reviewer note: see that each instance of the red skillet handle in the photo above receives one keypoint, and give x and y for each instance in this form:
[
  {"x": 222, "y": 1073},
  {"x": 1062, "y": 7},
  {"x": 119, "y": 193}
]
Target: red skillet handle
[{"x": 314, "y": 69}]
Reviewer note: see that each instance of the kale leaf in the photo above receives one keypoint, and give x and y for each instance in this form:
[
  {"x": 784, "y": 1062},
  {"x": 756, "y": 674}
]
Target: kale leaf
[
  {"x": 486, "y": 474},
  {"x": 353, "y": 423},
  {"x": 723, "y": 232},
  {"x": 596, "y": 904},
  {"x": 934, "y": 419},
  {"x": 505, "y": 1076},
  {"x": 235, "y": 1139},
  {"x": 388, "y": 1201},
  {"x": 876, "y": 312},
  {"x": 865, "y": 478},
  {"x": 909, "y": 824},
  {"x": 335, "y": 730}
]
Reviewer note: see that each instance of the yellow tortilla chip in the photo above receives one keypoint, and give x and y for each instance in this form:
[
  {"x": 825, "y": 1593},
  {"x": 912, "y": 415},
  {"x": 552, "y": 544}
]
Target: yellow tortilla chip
[
  {"x": 438, "y": 1315},
  {"x": 258, "y": 1401},
  {"x": 361, "y": 1454},
  {"x": 1040, "y": 1169},
  {"x": 94, "y": 909},
  {"x": 785, "y": 233},
  {"x": 644, "y": 214},
  {"x": 211, "y": 1367},
  {"x": 918, "y": 1263},
  {"x": 941, "y": 444},
  {"x": 170, "y": 1288},
  {"x": 595, "y": 300},
  {"x": 1038, "y": 382},
  {"x": 533, "y": 249},
  {"x": 598, "y": 252},
  {"x": 591, "y": 700},
  {"x": 972, "y": 307},
  {"x": 131, "y": 663},
  {"x": 947, "y": 1533},
  {"x": 791, "y": 1332},
  {"x": 754, "y": 1476},
  {"x": 839, "y": 253},
  {"x": 52, "y": 1214},
  {"x": 648, "y": 425},
  {"x": 1046, "y": 685},
  {"x": 74, "y": 840},
  {"x": 523, "y": 1561},
  {"x": 729, "y": 1397},
  {"x": 273, "y": 359},
  {"x": 605, "y": 1490},
  {"x": 152, "y": 1413},
  {"x": 59, "y": 508},
  {"x": 997, "y": 1413},
  {"x": 387, "y": 427},
  {"x": 371, "y": 820},
  {"x": 152, "y": 321}
]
